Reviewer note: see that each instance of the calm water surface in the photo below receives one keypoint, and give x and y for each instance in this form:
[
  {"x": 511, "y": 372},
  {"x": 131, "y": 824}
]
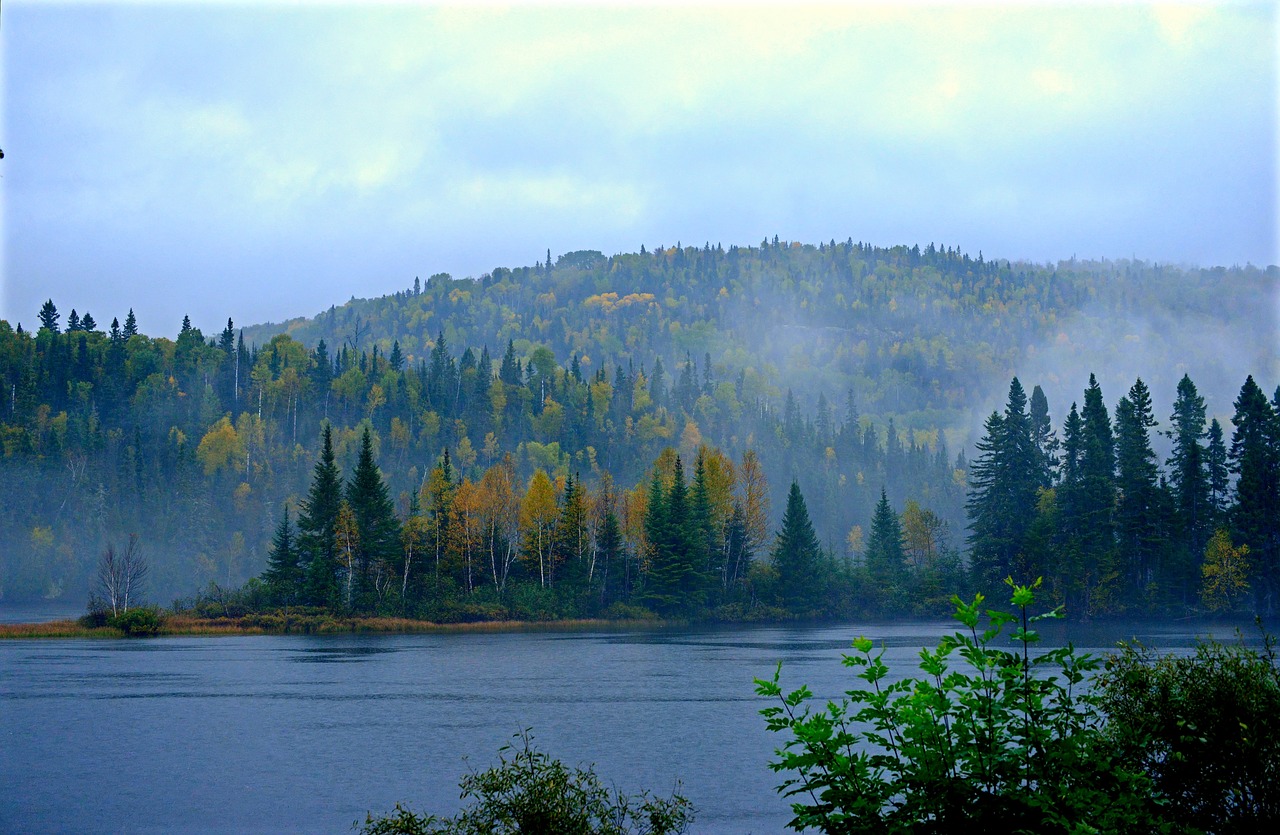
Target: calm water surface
[{"x": 307, "y": 734}]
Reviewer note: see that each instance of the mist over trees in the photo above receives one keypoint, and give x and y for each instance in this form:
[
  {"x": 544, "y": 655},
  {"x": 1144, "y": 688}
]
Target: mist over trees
[{"x": 486, "y": 407}]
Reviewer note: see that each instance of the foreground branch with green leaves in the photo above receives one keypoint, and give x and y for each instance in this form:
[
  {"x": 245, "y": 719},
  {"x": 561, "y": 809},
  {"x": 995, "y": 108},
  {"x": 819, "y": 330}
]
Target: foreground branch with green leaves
[{"x": 1021, "y": 741}]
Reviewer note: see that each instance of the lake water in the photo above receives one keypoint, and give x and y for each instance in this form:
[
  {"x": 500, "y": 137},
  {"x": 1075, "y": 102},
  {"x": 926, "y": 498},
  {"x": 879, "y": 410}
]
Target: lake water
[{"x": 307, "y": 734}]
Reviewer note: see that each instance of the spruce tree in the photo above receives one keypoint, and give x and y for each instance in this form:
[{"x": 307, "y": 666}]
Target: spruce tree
[
  {"x": 284, "y": 574},
  {"x": 885, "y": 557},
  {"x": 317, "y": 528},
  {"x": 130, "y": 325},
  {"x": 1043, "y": 439},
  {"x": 1192, "y": 522},
  {"x": 49, "y": 316},
  {"x": 609, "y": 548},
  {"x": 796, "y": 556},
  {"x": 1218, "y": 471},
  {"x": 672, "y": 585},
  {"x": 1137, "y": 512},
  {"x": 569, "y": 541},
  {"x": 377, "y": 528},
  {"x": 1255, "y": 517},
  {"x": 1004, "y": 481},
  {"x": 704, "y": 540}
]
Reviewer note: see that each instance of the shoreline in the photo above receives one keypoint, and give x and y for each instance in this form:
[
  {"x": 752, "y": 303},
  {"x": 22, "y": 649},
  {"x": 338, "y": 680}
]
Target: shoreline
[{"x": 188, "y": 626}]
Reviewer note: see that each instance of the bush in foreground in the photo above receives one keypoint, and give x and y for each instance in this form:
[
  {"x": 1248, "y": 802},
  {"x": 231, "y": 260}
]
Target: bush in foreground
[
  {"x": 529, "y": 792},
  {"x": 1206, "y": 727},
  {"x": 985, "y": 738}
]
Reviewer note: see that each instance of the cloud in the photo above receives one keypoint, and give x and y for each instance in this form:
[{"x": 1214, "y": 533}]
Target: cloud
[{"x": 384, "y": 136}]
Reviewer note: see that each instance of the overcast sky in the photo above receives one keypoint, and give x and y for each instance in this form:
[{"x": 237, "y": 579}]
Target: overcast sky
[{"x": 262, "y": 161}]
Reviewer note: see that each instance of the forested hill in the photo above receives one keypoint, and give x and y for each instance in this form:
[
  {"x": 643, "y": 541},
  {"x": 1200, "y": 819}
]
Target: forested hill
[
  {"x": 851, "y": 369},
  {"x": 924, "y": 334}
]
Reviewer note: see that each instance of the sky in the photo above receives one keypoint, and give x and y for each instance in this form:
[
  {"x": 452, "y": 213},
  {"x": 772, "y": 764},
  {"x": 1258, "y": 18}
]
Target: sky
[{"x": 261, "y": 161}]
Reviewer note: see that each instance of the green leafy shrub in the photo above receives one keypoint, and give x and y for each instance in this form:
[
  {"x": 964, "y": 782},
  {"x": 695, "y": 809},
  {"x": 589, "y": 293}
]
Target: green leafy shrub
[
  {"x": 137, "y": 622},
  {"x": 529, "y": 792},
  {"x": 1205, "y": 727},
  {"x": 986, "y": 738}
]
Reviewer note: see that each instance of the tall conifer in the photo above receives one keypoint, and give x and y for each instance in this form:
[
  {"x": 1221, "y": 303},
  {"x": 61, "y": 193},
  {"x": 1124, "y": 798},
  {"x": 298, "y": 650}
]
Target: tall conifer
[
  {"x": 317, "y": 528},
  {"x": 796, "y": 556}
]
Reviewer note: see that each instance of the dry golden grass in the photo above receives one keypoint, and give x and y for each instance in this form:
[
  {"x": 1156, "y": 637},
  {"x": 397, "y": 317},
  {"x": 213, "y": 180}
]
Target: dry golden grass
[{"x": 56, "y": 629}]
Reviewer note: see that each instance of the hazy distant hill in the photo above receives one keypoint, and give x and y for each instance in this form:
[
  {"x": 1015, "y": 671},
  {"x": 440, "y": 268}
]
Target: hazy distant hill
[{"x": 926, "y": 334}]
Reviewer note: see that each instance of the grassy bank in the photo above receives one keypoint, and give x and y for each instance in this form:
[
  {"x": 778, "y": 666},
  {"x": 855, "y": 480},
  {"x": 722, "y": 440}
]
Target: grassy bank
[{"x": 280, "y": 623}]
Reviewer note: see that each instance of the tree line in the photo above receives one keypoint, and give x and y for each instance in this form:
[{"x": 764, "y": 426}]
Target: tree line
[
  {"x": 202, "y": 442},
  {"x": 1110, "y": 529}
]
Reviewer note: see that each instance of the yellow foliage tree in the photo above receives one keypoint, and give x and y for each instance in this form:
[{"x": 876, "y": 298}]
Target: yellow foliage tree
[
  {"x": 538, "y": 514},
  {"x": 1225, "y": 574},
  {"x": 220, "y": 448}
]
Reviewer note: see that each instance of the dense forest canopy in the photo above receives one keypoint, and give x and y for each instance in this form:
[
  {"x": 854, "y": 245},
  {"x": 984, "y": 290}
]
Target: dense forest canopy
[{"x": 856, "y": 372}]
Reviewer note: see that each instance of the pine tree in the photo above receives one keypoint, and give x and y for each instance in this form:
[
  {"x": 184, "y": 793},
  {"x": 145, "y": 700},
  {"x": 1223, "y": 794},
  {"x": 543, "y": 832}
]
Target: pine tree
[
  {"x": 704, "y": 539},
  {"x": 283, "y": 575},
  {"x": 1218, "y": 470},
  {"x": 1255, "y": 517},
  {"x": 376, "y": 525},
  {"x": 885, "y": 557},
  {"x": 609, "y": 547},
  {"x": 73, "y": 321},
  {"x": 1004, "y": 481},
  {"x": 49, "y": 317},
  {"x": 673, "y": 583},
  {"x": 1042, "y": 437},
  {"x": 1138, "y": 478},
  {"x": 227, "y": 339},
  {"x": 796, "y": 556},
  {"x": 87, "y": 324},
  {"x": 130, "y": 325},
  {"x": 569, "y": 540},
  {"x": 1189, "y": 487},
  {"x": 1087, "y": 501},
  {"x": 317, "y": 528}
]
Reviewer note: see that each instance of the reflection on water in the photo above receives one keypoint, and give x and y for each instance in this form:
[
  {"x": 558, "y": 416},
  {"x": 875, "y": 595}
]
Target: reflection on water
[
  {"x": 330, "y": 655},
  {"x": 308, "y": 733}
]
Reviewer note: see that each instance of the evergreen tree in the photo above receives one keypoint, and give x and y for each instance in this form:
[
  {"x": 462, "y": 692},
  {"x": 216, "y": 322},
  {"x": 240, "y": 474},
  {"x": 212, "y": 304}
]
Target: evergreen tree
[
  {"x": 130, "y": 325},
  {"x": 1189, "y": 487},
  {"x": 73, "y": 322},
  {"x": 1218, "y": 470},
  {"x": 317, "y": 528},
  {"x": 569, "y": 541},
  {"x": 284, "y": 574},
  {"x": 87, "y": 324},
  {"x": 609, "y": 548},
  {"x": 796, "y": 556},
  {"x": 227, "y": 339},
  {"x": 49, "y": 316},
  {"x": 1137, "y": 517},
  {"x": 1004, "y": 480},
  {"x": 1088, "y": 504},
  {"x": 673, "y": 584},
  {"x": 1043, "y": 439},
  {"x": 885, "y": 557},
  {"x": 377, "y": 528},
  {"x": 704, "y": 539},
  {"x": 1255, "y": 517}
]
